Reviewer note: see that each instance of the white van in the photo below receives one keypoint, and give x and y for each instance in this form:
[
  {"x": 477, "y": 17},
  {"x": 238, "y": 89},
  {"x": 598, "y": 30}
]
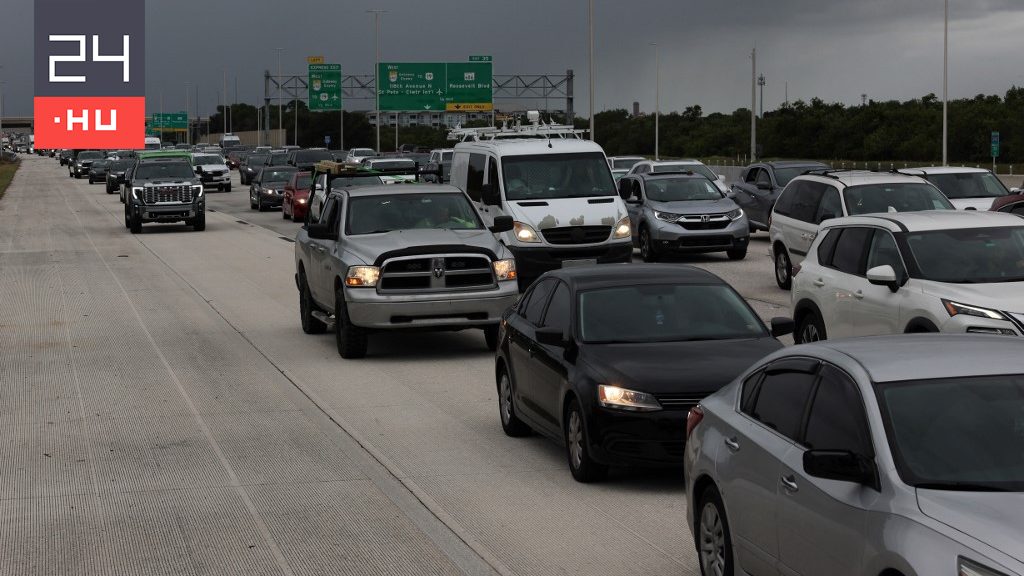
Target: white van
[
  {"x": 229, "y": 140},
  {"x": 152, "y": 143},
  {"x": 557, "y": 188}
]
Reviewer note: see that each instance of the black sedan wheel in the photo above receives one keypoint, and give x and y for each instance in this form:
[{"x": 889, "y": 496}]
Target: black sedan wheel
[
  {"x": 714, "y": 543},
  {"x": 582, "y": 466},
  {"x": 510, "y": 423}
]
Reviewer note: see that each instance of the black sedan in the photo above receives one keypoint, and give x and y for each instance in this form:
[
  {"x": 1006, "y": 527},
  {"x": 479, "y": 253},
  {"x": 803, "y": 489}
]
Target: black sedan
[
  {"x": 115, "y": 173},
  {"x": 250, "y": 167},
  {"x": 609, "y": 359},
  {"x": 267, "y": 188}
]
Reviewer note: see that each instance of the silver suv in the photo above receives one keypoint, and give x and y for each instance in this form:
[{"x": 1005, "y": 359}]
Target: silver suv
[{"x": 402, "y": 257}]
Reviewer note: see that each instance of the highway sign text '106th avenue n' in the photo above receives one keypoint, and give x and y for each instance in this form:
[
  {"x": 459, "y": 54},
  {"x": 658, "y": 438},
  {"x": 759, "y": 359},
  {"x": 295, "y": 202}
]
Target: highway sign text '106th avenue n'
[{"x": 411, "y": 86}]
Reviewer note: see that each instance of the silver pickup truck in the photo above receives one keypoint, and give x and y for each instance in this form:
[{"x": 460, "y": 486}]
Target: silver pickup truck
[{"x": 401, "y": 257}]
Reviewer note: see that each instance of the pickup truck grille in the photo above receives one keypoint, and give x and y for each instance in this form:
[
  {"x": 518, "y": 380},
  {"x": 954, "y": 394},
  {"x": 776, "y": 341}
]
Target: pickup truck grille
[
  {"x": 159, "y": 194},
  {"x": 698, "y": 221},
  {"x": 577, "y": 234},
  {"x": 437, "y": 273}
]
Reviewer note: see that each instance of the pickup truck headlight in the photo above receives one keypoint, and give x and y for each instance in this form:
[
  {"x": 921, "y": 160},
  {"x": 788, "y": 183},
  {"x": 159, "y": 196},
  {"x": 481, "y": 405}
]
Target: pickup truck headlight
[
  {"x": 965, "y": 567},
  {"x": 625, "y": 399},
  {"x": 667, "y": 216},
  {"x": 525, "y": 233},
  {"x": 622, "y": 229},
  {"x": 956, "y": 308},
  {"x": 197, "y": 190},
  {"x": 735, "y": 214},
  {"x": 362, "y": 276},
  {"x": 136, "y": 192},
  {"x": 505, "y": 269}
]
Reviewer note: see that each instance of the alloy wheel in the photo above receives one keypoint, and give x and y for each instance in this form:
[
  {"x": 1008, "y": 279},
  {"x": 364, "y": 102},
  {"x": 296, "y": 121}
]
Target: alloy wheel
[
  {"x": 506, "y": 400},
  {"x": 809, "y": 333},
  {"x": 575, "y": 439},
  {"x": 712, "y": 541}
]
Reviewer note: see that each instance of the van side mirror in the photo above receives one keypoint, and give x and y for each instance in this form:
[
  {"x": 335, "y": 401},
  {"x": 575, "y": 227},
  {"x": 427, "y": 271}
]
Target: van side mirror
[
  {"x": 841, "y": 465},
  {"x": 884, "y": 276},
  {"x": 502, "y": 224},
  {"x": 490, "y": 195}
]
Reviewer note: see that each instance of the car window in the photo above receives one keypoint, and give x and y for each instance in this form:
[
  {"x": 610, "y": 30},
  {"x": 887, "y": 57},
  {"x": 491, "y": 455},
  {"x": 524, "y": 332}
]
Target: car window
[
  {"x": 829, "y": 207},
  {"x": 763, "y": 177},
  {"x": 751, "y": 175},
  {"x": 559, "y": 311},
  {"x": 534, "y": 311},
  {"x": 884, "y": 251},
  {"x": 492, "y": 172},
  {"x": 475, "y": 176},
  {"x": 784, "y": 204},
  {"x": 837, "y": 420},
  {"x": 329, "y": 212},
  {"x": 781, "y": 399},
  {"x": 749, "y": 392},
  {"x": 827, "y": 246},
  {"x": 806, "y": 199},
  {"x": 849, "y": 254}
]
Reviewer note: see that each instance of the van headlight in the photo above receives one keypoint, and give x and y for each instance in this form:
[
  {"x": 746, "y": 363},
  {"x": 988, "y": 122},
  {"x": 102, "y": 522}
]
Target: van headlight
[
  {"x": 525, "y": 233},
  {"x": 622, "y": 229},
  {"x": 362, "y": 276},
  {"x": 505, "y": 269}
]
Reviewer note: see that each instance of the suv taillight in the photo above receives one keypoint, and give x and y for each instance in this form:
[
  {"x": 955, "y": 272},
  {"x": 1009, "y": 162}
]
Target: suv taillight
[{"x": 693, "y": 418}]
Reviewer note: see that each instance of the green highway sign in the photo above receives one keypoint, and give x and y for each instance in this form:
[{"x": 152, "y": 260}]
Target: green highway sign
[
  {"x": 995, "y": 144},
  {"x": 324, "y": 83},
  {"x": 170, "y": 121},
  {"x": 411, "y": 86},
  {"x": 479, "y": 58}
]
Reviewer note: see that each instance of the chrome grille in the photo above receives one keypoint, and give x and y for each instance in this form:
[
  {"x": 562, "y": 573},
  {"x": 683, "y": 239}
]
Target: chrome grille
[
  {"x": 577, "y": 234},
  {"x": 161, "y": 194},
  {"x": 679, "y": 401},
  {"x": 436, "y": 273},
  {"x": 703, "y": 221}
]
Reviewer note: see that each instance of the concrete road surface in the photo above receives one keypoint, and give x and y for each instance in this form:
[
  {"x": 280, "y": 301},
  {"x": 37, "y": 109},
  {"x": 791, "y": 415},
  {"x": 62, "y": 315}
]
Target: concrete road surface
[{"x": 163, "y": 413}]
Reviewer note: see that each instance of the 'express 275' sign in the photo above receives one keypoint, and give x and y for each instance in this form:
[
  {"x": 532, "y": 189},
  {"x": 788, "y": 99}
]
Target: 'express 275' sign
[{"x": 89, "y": 74}]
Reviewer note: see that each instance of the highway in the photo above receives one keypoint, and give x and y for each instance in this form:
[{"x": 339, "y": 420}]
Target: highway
[{"x": 164, "y": 414}]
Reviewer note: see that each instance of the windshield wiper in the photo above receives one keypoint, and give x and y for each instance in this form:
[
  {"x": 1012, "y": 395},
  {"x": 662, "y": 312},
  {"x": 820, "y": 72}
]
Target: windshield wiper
[{"x": 960, "y": 486}]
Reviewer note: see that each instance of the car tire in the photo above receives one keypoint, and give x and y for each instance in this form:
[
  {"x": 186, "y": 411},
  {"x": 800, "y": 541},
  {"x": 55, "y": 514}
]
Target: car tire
[
  {"x": 310, "y": 324},
  {"x": 783, "y": 268},
  {"x": 581, "y": 464},
  {"x": 713, "y": 540},
  {"x": 134, "y": 222},
  {"x": 199, "y": 222},
  {"x": 252, "y": 204},
  {"x": 737, "y": 254},
  {"x": 284, "y": 213},
  {"x": 510, "y": 423},
  {"x": 109, "y": 191},
  {"x": 127, "y": 219},
  {"x": 227, "y": 188},
  {"x": 259, "y": 205},
  {"x": 647, "y": 251},
  {"x": 811, "y": 329},
  {"x": 351, "y": 340},
  {"x": 491, "y": 337}
]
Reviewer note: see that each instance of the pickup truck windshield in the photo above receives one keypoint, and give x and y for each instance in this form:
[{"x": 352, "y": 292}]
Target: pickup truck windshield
[
  {"x": 276, "y": 176},
  {"x": 542, "y": 176},
  {"x": 388, "y": 213},
  {"x": 164, "y": 171}
]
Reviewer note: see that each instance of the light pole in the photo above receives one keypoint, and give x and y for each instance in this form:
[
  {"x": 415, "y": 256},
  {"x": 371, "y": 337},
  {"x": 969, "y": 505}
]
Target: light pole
[
  {"x": 945, "y": 87},
  {"x": 761, "y": 83},
  {"x": 657, "y": 98},
  {"x": 376, "y": 67},
  {"x": 753, "y": 105},
  {"x": 590, "y": 22},
  {"x": 280, "y": 118},
  {"x": 188, "y": 123},
  {"x": 224, "y": 101}
]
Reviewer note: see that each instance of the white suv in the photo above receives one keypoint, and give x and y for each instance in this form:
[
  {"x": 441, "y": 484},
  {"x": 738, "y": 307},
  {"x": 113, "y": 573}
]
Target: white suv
[
  {"x": 937, "y": 271},
  {"x": 966, "y": 188},
  {"x": 695, "y": 166},
  {"x": 821, "y": 195}
]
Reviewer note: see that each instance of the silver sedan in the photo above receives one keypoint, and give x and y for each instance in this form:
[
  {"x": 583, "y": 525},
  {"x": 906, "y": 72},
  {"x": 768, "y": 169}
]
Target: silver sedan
[{"x": 890, "y": 456}]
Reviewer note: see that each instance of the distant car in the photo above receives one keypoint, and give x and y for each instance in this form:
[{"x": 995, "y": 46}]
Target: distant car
[
  {"x": 296, "y": 197},
  {"x": 966, "y": 188},
  {"x": 277, "y": 158},
  {"x": 385, "y": 164},
  {"x": 1012, "y": 203},
  {"x": 607, "y": 360},
  {"x": 695, "y": 166},
  {"x": 267, "y": 189},
  {"x": 212, "y": 171},
  {"x": 251, "y": 166},
  {"x": 897, "y": 455},
  {"x": 619, "y": 173},
  {"x": 624, "y": 162},
  {"x": 440, "y": 158},
  {"x": 164, "y": 189},
  {"x": 948, "y": 271},
  {"x": 98, "y": 170},
  {"x": 115, "y": 175},
  {"x": 821, "y": 195},
  {"x": 760, "y": 185},
  {"x": 357, "y": 155},
  {"x": 339, "y": 155},
  {"x": 79, "y": 165},
  {"x": 683, "y": 212},
  {"x": 306, "y": 159},
  {"x": 65, "y": 156}
]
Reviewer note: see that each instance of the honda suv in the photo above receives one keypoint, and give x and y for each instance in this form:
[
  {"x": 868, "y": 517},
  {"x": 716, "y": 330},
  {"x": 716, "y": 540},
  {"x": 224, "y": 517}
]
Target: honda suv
[
  {"x": 820, "y": 195},
  {"x": 945, "y": 271}
]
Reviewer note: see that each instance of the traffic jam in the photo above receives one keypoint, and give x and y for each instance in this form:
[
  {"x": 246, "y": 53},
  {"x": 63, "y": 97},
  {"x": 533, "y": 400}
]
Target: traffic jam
[{"x": 888, "y": 440}]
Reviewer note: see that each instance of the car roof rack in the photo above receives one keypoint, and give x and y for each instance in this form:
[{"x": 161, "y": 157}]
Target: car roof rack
[
  {"x": 347, "y": 170},
  {"x": 670, "y": 173},
  {"x": 536, "y": 128}
]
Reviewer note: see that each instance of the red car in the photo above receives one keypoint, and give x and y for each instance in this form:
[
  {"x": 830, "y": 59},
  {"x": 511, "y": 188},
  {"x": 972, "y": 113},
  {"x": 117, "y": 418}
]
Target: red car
[{"x": 296, "y": 196}]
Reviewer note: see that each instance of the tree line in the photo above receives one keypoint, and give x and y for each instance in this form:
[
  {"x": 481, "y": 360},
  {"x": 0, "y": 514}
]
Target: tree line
[{"x": 876, "y": 130}]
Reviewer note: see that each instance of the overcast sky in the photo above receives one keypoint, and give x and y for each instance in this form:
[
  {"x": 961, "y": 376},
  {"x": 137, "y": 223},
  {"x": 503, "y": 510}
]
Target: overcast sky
[{"x": 832, "y": 49}]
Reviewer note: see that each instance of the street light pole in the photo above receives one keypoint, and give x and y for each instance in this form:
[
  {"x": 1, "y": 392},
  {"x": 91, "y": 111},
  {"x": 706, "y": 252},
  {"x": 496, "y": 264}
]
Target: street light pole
[
  {"x": 945, "y": 87},
  {"x": 224, "y": 101},
  {"x": 376, "y": 68},
  {"x": 590, "y": 21},
  {"x": 761, "y": 83},
  {"x": 280, "y": 117},
  {"x": 657, "y": 99},
  {"x": 753, "y": 105},
  {"x": 188, "y": 123}
]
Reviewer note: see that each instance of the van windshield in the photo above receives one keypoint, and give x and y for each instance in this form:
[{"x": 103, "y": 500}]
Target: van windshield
[{"x": 582, "y": 175}]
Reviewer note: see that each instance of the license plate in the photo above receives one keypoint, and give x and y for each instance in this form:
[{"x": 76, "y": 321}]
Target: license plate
[{"x": 574, "y": 263}]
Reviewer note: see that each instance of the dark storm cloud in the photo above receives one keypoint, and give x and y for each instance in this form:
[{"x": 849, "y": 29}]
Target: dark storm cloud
[{"x": 835, "y": 50}]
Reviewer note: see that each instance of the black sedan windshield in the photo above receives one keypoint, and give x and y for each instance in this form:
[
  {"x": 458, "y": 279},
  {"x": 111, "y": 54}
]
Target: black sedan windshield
[
  {"x": 557, "y": 176},
  {"x": 681, "y": 189},
  {"x": 666, "y": 313},
  {"x": 164, "y": 171},
  {"x": 903, "y": 197},
  {"x": 386, "y": 213},
  {"x": 276, "y": 176},
  {"x": 957, "y": 433},
  {"x": 969, "y": 256},
  {"x": 969, "y": 185}
]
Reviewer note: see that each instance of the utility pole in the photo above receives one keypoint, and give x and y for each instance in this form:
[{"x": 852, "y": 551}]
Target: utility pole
[
  {"x": 280, "y": 117},
  {"x": 188, "y": 123},
  {"x": 761, "y": 83},
  {"x": 590, "y": 22},
  {"x": 231, "y": 124},
  {"x": 787, "y": 94},
  {"x": 657, "y": 99},
  {"x": 945, "y": 88},
  {"x": 753, "y": 105},
  {"x": 224, "y": 101},
  {"x": 376, "y": 67}
]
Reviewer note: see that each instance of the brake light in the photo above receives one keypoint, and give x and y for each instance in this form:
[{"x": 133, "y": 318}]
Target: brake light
[
  {"x": 796, "y": 270},
  {"x": 693, "y": 418}
]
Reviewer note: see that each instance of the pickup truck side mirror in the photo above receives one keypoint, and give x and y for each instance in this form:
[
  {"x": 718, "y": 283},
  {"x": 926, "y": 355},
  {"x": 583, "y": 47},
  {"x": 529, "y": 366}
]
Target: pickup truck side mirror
[
  {"x": 320, "y": 231},
  {"x": 502, "y": 224},
  {"x": 490, "y": 195}
]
